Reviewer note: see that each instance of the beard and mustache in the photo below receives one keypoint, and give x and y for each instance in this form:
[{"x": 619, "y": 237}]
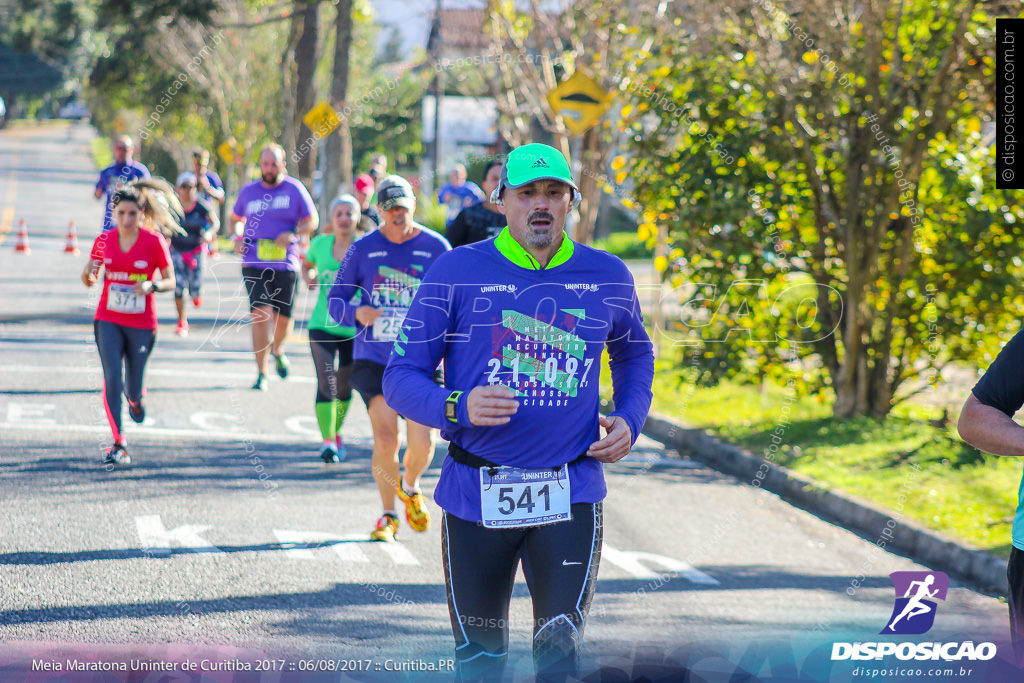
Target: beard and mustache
[{"x": 542, "y": 238}]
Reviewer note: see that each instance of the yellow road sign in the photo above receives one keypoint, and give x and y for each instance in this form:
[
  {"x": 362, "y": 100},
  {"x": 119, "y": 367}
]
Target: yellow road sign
[
  {"x": 322, "y": 119},
  {"x": 230, "y": 151},
  {"x": 580, "y": 101}
]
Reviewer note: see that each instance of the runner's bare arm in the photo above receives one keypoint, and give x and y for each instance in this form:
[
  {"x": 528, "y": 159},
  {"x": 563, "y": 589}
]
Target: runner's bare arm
[
  {"x": 308, "y": 225},
  {"x": 90, "y": 274},
  {"x": 990, "y": 429}
]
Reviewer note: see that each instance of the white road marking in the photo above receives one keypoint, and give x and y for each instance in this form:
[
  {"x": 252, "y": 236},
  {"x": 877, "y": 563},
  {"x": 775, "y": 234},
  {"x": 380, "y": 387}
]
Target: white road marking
[
  {"x": 49, "y": 370},
  {"x": 34, "y": 413},
  {"x": 630, "y": 561},
  {"x": 207, "y": 421},
  {"x": 156, "y": 539},
  {"x": 198, "y": 434},
  {"x": 650, "y": 461},
  {"x": 398, "y": 553},
  {"x": 296, "y": 423},
  {"x": 348, "y": 547}
]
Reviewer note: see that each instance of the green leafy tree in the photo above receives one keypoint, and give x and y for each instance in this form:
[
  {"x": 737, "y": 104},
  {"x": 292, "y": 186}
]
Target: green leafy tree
[{"x": 836, "y": 148}]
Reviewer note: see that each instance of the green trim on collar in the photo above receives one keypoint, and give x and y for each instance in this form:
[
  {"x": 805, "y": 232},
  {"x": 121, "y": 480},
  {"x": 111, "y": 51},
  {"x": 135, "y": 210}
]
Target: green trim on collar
[{"x": 514, "y": 252}]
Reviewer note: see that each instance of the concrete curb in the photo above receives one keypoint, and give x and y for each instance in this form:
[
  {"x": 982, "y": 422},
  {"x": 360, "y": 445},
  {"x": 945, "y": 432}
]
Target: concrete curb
[{"x": 883, "y": 527}]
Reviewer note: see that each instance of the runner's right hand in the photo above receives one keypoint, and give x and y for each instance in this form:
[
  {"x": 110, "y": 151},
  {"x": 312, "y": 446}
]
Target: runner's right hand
[
  {"x": 367, "y": 314},
  {"x": 490, "y": 406}
]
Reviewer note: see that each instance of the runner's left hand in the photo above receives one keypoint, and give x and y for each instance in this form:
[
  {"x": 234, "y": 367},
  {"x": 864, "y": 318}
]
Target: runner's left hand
[{"x": 616, "y": 442}]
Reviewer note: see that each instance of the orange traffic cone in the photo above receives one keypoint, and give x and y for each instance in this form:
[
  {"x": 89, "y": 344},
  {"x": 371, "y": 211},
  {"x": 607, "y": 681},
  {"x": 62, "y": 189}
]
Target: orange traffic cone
[
  {"x": 71, "y": 243},
  {"x": 22, "y": 243}
]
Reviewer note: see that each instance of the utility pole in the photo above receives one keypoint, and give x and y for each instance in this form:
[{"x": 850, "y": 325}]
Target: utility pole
[{"x": 435, "y": 54}]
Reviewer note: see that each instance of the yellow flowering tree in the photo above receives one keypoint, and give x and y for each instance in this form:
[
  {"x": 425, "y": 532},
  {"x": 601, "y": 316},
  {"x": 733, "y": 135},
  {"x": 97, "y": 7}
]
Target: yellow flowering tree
[{"x": 830, "y": 190}]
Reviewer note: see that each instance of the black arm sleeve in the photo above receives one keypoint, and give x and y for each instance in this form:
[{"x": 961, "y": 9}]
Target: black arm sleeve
[{"x": 1002, "y": 385}]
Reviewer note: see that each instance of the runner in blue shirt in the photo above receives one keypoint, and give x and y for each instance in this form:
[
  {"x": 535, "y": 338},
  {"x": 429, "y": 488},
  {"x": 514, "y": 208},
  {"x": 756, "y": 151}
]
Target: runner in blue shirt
[
  {"x": 116, "y": 176},
  {"x": 459, "y": 193},
  {"x": 208, "y": 183},
  {"x": 521, "y": 321},
  {"x": 378, "y": 278}
]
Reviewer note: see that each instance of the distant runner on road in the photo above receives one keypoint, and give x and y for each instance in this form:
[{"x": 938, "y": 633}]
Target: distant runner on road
[
  {"x": 208, "y": 183},
  {"x": 277, "y": 210},
  {"x": 200, "y": 226},
  {"x": 379, "y": 277},
  {"x": 458, "y": 193},
  {"x": 123, "y": 171},
  {"x": 520, "y": 322},
  {"x": 480, "y": 221},
  {"x": 136, "y": 264},
  {"x": 331, "y": 342}
]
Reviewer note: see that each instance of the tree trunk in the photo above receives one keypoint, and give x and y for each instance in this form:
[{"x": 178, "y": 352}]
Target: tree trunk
[
  {"x": 306, "y": 57},
  {"x": 338, "y": 166},
  {"x": 288, "y": 84},
  {"x": 590, "y": 163}
]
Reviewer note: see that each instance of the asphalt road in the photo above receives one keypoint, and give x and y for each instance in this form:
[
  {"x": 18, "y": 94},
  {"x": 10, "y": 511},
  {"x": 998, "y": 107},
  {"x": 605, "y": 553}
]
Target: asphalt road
[{"x": 228, "y": 538}]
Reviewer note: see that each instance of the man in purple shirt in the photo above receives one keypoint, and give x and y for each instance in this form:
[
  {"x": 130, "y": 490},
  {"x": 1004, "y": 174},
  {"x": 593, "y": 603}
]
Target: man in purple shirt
[
  {"x": 114, "y": 177},
  {"x": 276, "y": 210}
]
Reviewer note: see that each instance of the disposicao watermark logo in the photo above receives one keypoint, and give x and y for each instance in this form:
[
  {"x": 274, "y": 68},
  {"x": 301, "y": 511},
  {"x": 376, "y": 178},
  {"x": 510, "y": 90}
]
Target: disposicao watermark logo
[
  {"x": 913, "y": 614},
  {"x": 916, "y": 595}
]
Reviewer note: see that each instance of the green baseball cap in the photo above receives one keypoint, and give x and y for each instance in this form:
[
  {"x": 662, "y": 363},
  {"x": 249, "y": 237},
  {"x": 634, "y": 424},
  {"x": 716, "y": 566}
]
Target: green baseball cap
[{"x": 535, "y": 161}]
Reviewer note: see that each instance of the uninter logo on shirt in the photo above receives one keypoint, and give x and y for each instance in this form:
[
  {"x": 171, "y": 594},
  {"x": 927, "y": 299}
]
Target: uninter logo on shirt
[
  {"x": 589, "y": 287},
  {"x": 497, "y": 288},
  {"x": 377, "y": 254},
  {"x": 424, "y": 254}
]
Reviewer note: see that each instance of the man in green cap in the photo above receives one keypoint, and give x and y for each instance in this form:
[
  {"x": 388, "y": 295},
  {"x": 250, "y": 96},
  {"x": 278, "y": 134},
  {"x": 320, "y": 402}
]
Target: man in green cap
[{"x": 521, "y": 321}]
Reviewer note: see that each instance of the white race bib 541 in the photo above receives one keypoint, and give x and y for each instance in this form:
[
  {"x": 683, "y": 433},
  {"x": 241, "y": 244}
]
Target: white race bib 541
[{"x": 511, "y": 497}]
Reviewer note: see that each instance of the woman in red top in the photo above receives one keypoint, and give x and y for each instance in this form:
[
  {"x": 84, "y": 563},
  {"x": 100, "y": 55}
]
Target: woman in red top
[{"x": 125, "y": 320}]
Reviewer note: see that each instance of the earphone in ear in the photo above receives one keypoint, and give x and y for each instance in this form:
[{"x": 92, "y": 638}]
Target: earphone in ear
[{"x": 577, "y": 197}]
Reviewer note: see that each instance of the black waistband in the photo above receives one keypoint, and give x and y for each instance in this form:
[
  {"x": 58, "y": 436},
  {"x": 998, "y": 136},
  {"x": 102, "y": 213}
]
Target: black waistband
[{"x": 464, "y": 457}]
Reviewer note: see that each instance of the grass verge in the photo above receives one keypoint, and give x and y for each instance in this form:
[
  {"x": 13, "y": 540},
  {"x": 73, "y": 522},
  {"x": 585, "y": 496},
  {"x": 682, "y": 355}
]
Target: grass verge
[
  {"x": 905, "y": 462},
  {"x": 101, "y": 154}
]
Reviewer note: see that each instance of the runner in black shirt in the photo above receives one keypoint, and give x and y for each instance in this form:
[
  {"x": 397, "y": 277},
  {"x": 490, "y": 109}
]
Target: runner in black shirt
[
  {"x": 480, "y": 221},
  {"x": 187, "y": 251},
  {"x": 986, "y": 422}
]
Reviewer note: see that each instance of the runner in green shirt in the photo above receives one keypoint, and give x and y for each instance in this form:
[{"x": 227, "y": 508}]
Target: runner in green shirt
[{"x": 330, "y": 341}]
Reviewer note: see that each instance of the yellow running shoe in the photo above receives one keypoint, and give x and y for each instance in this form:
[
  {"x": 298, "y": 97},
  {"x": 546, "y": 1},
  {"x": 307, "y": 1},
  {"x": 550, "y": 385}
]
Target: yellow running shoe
[
  {"x": 387, "y": 529},
  {"x": 415, "y": 509}
]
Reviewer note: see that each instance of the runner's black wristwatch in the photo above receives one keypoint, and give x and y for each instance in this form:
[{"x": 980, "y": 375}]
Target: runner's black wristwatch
[{"x": 451, "y": 406}]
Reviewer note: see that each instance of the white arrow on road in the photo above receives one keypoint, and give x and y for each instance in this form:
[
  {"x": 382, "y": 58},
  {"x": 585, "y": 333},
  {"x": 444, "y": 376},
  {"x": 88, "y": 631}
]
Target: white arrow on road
[
  {"x": 157, "y": 540},
  {"x": 631, "y": 561},
  {"x": 346, "y": 547}
]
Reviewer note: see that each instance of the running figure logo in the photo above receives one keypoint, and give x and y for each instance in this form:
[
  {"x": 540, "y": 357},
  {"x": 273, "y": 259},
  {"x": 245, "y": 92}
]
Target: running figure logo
[{"x": 916, "y": 592}]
